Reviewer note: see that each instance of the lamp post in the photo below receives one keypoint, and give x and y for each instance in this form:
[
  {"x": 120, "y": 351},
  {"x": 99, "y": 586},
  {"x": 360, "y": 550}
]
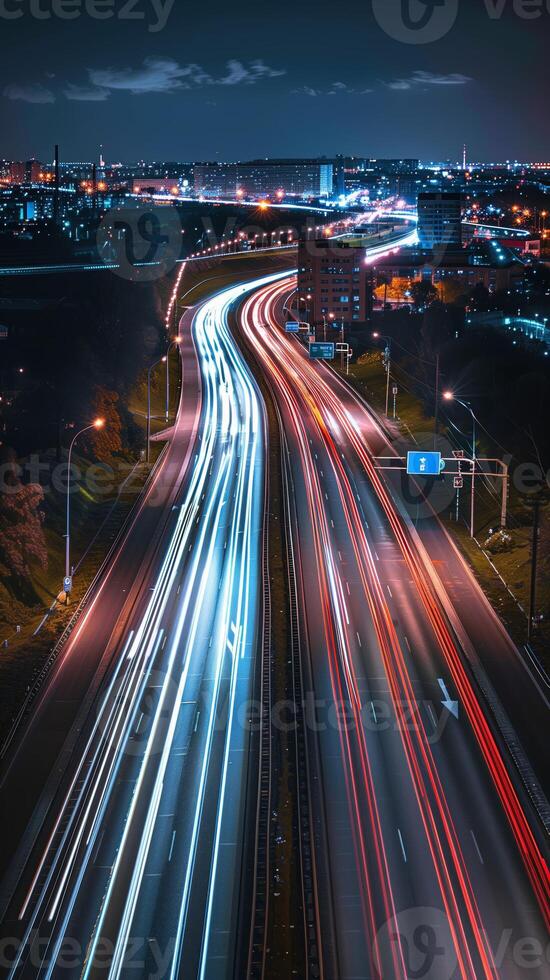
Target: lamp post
[
  {"x": 330, "y": 317},
  {"x": 387, "y": 361},
  {"x": 449, "y": 397},
  {"x": 161, "y": 360},
  {"x": 175, "y": 343},
  {"x": 68, "y": 582}
]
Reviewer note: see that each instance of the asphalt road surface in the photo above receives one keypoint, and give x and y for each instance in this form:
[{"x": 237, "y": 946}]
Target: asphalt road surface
[{"x": 430, "y": 859}]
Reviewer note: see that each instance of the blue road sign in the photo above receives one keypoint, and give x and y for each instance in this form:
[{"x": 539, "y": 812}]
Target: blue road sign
[
  {"x": 322, "y": 351},
  {"x": 292, "y": 327},
  {"x": 424, "y": 464}
]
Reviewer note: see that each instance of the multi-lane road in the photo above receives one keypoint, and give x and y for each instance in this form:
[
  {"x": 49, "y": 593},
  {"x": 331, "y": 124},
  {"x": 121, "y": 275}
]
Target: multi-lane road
[
  {"x": 134, "y": 787},
  {"x": 424, "y": 845},
  {"x": 134, "y": 849}
]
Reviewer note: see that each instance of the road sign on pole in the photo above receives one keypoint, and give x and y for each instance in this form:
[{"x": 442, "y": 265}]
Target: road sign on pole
[
  {"x": 424, "y": 464},
  {"x": 292, "y": 327},
  {"x": 321, "y": 351}
]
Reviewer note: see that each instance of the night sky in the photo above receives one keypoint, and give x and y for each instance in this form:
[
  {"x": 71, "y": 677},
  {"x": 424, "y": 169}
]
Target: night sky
[{"x": 247, "y": 79}]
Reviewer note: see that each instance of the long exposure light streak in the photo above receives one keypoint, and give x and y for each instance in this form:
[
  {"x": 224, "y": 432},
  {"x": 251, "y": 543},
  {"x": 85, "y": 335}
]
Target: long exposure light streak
[{"x": 306, "y": 387}]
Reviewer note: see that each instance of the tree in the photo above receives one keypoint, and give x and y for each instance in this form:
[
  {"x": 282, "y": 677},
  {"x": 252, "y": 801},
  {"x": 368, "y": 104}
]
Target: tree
[
  {"x": 479, "y": 298},
  {"x": 108, "y": 440},
  {"x": 22, "y": 540},
  {"x": 423, "y": 293}
]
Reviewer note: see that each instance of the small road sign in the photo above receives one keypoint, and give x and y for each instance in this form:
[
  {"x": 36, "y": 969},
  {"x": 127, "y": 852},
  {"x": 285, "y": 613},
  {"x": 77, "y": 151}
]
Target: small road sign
[
  {"x": 424, "y": 464},
  {"x": 67, "y": 584},
  {"x": 458, "y": 482},
  {"x": 458, "y": 453},
  {"x": 321, "y": 351},
  {"x": 292, "y": 327}
]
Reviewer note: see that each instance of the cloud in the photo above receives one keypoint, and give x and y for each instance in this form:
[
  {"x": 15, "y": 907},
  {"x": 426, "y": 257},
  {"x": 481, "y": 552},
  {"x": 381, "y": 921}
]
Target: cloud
[
  {"x": 239, "y": 74},
  {"x": 156, "y": 75},
  {"x": 336, "y": 88},
  {"x": 428, "y": 78},
  {"x": 83, "y": 93},
  {"x": 166, "y": 75},
  {"x": 34, "y": 93}
]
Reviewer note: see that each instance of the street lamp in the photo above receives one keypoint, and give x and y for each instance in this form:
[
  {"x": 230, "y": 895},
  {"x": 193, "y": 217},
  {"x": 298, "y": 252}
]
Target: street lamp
[
  {"x": 449, "y": 397},
  {"x": 68, "y": 581},
  {"x": 161, "y": 360},
  {"x": 174, "y": 343},
  {"x": 331, "y": 317},
  {"x": 387, "y": 361}
]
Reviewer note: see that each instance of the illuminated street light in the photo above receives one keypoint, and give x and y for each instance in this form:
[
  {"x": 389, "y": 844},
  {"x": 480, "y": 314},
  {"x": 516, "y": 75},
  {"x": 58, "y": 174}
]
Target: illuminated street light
[
  {"x": 97, "y": 424},
  {"x": 174, "y": 343},
  {"x": 161, "y": 360},
  {"x": 449, "y": 396}
]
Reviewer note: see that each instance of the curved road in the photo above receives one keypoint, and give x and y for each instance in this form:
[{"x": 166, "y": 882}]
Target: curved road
[
  {"x": 432, "y": 867},
  {"x": 133, "y": 857}
]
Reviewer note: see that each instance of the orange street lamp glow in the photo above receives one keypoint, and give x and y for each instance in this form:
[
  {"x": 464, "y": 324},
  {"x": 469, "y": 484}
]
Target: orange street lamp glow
[{"x": 99, "y": 423}]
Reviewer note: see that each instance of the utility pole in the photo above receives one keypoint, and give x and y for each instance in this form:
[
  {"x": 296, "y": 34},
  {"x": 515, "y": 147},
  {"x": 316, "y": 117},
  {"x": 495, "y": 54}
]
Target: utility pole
[
  {"x": 56, "y": 186},
  {"x": 436, "y": 423},
  {"x": 388, "y": 367},
  {"x": 534, "y": 559}
]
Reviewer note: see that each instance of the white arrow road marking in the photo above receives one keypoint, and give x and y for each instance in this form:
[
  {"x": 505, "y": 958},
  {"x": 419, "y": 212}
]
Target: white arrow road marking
[{"x": 448, "y": 703}]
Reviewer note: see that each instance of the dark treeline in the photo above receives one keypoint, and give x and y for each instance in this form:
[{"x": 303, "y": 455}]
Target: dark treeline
[
  {"x": 72, "y": 340},
  {"x": 504, "y": 376}
]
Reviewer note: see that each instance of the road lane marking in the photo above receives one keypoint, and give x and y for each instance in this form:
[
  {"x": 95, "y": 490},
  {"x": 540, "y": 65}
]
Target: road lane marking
[
  {"x": 477, "y": 847},
  {"x": 402, "y": 846},
  {"x": 172, "y": 845},
  {"x": 431, "y": 713}
]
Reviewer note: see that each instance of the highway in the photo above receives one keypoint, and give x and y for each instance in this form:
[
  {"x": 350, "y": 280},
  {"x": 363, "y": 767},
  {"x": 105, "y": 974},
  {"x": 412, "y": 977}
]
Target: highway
[
  {"x": 136, "y": 775},
  {"x": 429, "y": 859},
  {"x": 132, "y": 862}
]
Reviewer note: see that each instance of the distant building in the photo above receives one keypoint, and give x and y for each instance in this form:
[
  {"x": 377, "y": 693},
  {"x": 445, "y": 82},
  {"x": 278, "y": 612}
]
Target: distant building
[
  {"x": 485, "y": 262},
  {"x": 440, "y": 219},
  {"x": 276, "y": 179},
  {"x": 332, "y": 281},
  {"x": 392, "y": 168},
  {"x": 17, "y": 172},
  {"x": 29, "y": 172},
  {"x": 34, "y": 171},
  {"x": 155, "y": 185}
]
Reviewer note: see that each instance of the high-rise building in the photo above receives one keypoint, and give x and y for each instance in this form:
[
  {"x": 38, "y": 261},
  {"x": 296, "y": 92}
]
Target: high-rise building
[
  {"x": 332, "y": 281},
  {"x": 265, "y": 178},
  {"x": 439, "y": 219}
]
